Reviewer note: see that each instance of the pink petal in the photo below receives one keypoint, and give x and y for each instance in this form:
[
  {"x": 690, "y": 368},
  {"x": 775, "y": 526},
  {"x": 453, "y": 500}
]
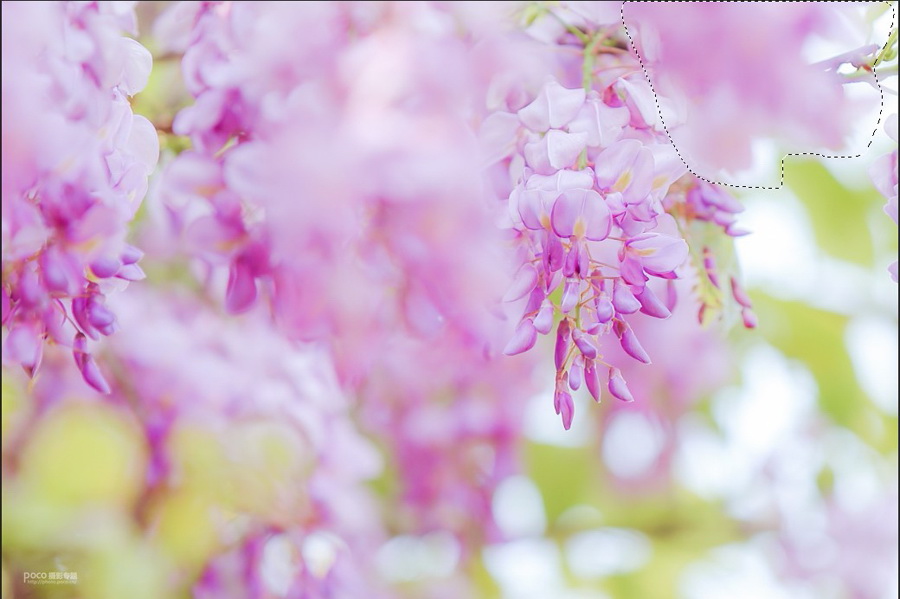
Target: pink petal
[
  {"x": 497, "y": 136},
  {"x": 739, "y": 294},
  {"x": 585, "y": 345},
  {"x": 80, "y": 313},
  {"x": 651, "y": 305},
  {"x": 523, "y": 339},
  {"x": 563, "y": 148},
  {"x": 566, "y": 409},
  {"x": 640, "y": 178},
  {"x": 614, "y": 163},
  {"x": 632, "y": 346},
  {"x": 524, "y": 281},
  {"x": 554, "y": 253},
  {"x": 562, "y": 343},
  {"x": 241, "y": 291},
  {"x": 106, "y": 266},
  {"x": 659, "y": 254},
  {"x": 566, "y": 211},
  {"x": 23, "y": 344},
  {"x": 138, "y": 64},
  {"x": 532, "y": 209},
  {"x": 605, "y": 309},
  {"x": 576, "y": 376},
  {"x": 131, "y": 272},
  {"x": 601, "y": 123},
  {"x": 543, "y": 322},
  {"x": 617, "y": 386},
  {"x": 554, "y": 107},
  {"x": 571, "y": 294},
  {"x": 571, "y": 264},
  {"x": 581, "y": 213},
  {"x": 592, "y": 380},
  {"x": 632, "y": 272},
  {"x": 749, "y": 318},
  {"x": 623, "y": 300}
]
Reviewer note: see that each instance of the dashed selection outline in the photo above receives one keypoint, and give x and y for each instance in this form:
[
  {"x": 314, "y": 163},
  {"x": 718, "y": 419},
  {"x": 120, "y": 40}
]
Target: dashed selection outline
[{"x": 780, "y": 185}]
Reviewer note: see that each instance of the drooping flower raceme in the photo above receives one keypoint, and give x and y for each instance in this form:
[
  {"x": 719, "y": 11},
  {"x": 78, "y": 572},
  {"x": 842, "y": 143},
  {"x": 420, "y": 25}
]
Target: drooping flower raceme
[
  {"x": 75, "y": 167},
  {"x": 336, "y": 177},
  {"x": 591, "y": 181}
]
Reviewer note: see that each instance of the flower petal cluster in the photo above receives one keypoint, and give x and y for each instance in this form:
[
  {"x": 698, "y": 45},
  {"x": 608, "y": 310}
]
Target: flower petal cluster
[
  {"x": 740, "y": 72},
  {"x": 588, "y": 174},
  {"x": 75, "y": 167}
]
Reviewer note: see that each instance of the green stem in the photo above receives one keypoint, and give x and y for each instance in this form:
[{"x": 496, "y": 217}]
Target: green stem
[{"x": 887, "y": 49}]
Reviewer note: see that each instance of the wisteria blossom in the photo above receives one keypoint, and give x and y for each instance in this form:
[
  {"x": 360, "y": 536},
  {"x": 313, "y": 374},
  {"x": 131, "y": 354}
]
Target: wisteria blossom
[
  {"x": 591, "y": 197},
  {"x": 75, "y": 167},
  {"x": 382, "y": 242}
]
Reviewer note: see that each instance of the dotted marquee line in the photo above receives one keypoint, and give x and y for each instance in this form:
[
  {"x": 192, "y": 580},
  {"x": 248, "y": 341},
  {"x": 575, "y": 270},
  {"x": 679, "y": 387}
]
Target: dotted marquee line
[{"x": 781, "y": 183}]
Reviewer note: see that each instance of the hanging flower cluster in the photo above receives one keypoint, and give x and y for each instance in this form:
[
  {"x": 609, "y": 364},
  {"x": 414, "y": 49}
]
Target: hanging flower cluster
[{"x": 75, "y": 167}]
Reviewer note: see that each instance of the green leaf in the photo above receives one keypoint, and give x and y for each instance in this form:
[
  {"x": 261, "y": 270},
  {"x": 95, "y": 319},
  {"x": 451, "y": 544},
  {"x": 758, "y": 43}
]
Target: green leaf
[{"x": 838, "y": 214}]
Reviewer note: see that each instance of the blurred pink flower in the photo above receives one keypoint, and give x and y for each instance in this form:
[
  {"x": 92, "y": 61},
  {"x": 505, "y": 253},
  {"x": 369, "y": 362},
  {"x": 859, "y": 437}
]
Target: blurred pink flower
[{"x": 75, "y": 167}]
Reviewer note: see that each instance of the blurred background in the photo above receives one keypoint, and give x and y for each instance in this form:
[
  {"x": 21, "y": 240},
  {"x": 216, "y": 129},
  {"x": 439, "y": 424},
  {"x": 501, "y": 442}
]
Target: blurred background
[{"x": 756, "y": 464}]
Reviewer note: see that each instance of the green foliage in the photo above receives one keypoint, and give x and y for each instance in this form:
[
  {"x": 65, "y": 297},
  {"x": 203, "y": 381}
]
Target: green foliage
[{"x": 838, "y": 214}]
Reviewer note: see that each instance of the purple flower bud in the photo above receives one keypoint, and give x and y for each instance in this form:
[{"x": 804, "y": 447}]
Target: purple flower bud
[
  {"x": 592, "y": 379},
  {"x": 576, "y": 375},
  {"x": 80, "y": 312},
  {"x": 617, "y": 386},
  {"x": 651, "y": 305},
  {"x": 605, "y": 310},
  {"x": 587, "y": 348},
  {"x": 749, "y": 318},
  {"x": 99, "y": 315},
  {"x": 709, "y": 264},
  {"x": 562, "y": 343},
  {"x": 543, "y": 322},
  {"x": 739, "y": 294},
  {"x": 106, "y": 267},
  {"x": 523, "y": 339},
  {"x": 623, "y": 300},
  {"x": 632, "y": 346},
  {"x": 571, "y": 294},
  {"x": 89, "y": 369},
  {"x": 535, "y": 301},
  {"x": 566, "y": 409}
]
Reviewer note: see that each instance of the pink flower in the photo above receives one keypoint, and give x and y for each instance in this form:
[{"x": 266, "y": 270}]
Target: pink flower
[{"x": 75, "y": 167}]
